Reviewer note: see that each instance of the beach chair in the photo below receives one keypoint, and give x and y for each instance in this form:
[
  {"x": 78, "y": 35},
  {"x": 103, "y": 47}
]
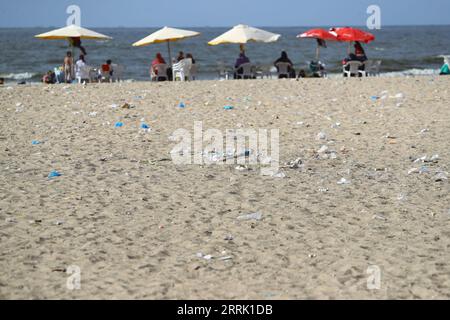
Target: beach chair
[
  {"x": 372, "y": 68},
  {"x": 118, "y": 71},
  {"x": 223, "y": 71},
  {"x": 84, "y": 74},
  {"x": 181, "y": 70},
  {"x": 352, "y": 69},
  {"x": 160, "y": 74},
  {"x": 283, "y": 70},
  {"x": 247, "y": 71}
]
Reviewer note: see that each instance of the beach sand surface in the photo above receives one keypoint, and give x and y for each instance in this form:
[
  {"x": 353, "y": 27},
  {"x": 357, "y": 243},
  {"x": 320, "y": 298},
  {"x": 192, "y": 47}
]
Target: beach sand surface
[{"x": 139, "y": 226}]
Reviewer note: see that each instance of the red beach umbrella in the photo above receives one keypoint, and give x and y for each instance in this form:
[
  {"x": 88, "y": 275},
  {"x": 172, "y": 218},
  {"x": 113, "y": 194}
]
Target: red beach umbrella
[
  {"x": 348, "y": 34},
  {"x": 320, "y": 35}
]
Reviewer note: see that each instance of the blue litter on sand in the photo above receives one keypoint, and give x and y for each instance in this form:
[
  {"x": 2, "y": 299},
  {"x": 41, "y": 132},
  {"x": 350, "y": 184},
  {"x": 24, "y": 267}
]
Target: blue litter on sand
[
  {"x": 54, "y": 174},
  {"x": 145, "y": 126},
  {"x": 119, "y": 124},
  {"x": 228, "y": 107},
  {"x": 35, "y": 142},
  {"x": 374, "y": 98},
  {"x": 182, "y": 105}
]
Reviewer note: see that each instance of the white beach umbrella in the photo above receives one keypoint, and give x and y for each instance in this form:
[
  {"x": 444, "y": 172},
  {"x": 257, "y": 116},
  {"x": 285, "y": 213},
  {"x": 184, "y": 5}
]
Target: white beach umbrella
[
  {"x": 166, "y": 34},
  {"x": 242, "y": 34},
  {"x": 72, "y": 31}
]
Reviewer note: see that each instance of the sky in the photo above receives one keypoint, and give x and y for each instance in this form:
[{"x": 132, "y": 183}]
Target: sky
[{"x": 215, "y": 13}]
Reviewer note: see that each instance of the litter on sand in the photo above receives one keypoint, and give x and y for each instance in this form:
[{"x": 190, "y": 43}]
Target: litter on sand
[
  {"x": 253, "y": 216},
  {"x": 343, "y": 181},
  {"x": 54, "y": 174},
  {"x": 228, "y": 108},
  {"x": 118, "y": 125}
]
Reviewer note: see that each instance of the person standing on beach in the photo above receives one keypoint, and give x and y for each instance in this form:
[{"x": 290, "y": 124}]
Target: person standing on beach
[
  {"x": 81, "y": 70},
  {"x": 68, "y": 67}
]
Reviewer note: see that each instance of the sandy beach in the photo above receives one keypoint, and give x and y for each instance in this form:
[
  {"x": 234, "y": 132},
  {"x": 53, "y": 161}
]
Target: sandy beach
[{"x": 141, "y": 227}]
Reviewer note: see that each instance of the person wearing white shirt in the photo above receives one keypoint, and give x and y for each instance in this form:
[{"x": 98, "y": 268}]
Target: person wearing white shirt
[{"x": 82, "y": 70}]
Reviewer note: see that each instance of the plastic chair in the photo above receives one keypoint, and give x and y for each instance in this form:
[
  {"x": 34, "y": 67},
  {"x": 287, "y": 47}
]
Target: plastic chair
[
  {"x": 283, "y": 69},
  {"x": 159, "y": 72},
  {"x": 372, "y": 68},
  {"x": 181, "y": 70},
  {"x": 247, "y": 71},
  {"x": 352, "y": 69}
]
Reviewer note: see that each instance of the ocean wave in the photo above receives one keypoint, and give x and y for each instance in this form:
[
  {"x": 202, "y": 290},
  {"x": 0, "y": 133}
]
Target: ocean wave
[
  {"x": 18, "y": 76},
  {"x": 412, "y": 72}
]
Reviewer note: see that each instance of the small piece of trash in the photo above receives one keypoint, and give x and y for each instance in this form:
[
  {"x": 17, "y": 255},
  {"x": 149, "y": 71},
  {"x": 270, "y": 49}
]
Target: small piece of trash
[
  {"x": 10, "y": 220},
  {"x": 126, "y": 106},
  {"x": 323, "y": 149},
  {"x": 374, "y": 98},
  {"x": 114, "y": 106},
  {"x": 35, "y": 142},
  {"x": 118, "y": 125},
  {"x": 297, "y": 163},
  {"x": 441, "y": 176},
  {"x": 145, "y": 126},
  {"x": 343, "y": 181},
  {"x": 253, "y": 216},
  {"x": 54, "y": 174},
  {"x": 228, "y": 108},
  {"x": 181, "y": 105},
  {"x": 92, "y": 114},
  {"x": 272, "y": 172},
  {"x": 379, "y": 217},
  {"x": 225, "y": 258},
  {"x": 229, "y": 238},
  {"x": 321, "y": 136}
]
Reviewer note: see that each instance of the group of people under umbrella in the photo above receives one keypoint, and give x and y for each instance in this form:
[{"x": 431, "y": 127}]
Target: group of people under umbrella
[{"x": 240, "y": 34}]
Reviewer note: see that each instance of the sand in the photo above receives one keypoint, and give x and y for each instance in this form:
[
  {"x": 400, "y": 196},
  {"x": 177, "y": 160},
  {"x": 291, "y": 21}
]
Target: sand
[{"x": 135, "y": 223}]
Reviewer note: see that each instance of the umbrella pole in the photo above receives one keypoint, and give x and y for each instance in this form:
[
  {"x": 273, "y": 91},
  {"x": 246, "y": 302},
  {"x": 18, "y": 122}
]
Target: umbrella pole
[
  {"x": 170, "y": 54},
  {"x": 318, "y": 53}
]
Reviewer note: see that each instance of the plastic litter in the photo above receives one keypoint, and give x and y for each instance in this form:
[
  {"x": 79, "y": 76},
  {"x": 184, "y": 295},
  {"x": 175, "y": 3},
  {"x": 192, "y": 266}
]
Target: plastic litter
[
  {"x": 35, "y": 142},
  {"x": 441, "y": 176},
  {"x": 228, "y": 108},
  {"x": 54, "y": 174},
  {"x": 181, "y": 105},
  {"x": 321, "y": 136},
  {"x": 343, "y": 181},
  {"x": 118, "y": 125},
  {"x": 145, "y": 126},
  {"x": 253, "y": 216}
]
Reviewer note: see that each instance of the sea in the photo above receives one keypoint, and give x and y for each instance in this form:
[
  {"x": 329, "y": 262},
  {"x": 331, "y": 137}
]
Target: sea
[{"x": 404, "y": 51}]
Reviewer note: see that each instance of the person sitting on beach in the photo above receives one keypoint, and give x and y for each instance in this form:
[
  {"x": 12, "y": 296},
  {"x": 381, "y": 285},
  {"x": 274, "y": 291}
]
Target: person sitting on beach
[
  {"x": 68, "y": 67},
  {"x": 239, "y": 62},
  {"x": 285, "y": 59},
  {"x": 157, "y": 61},
  {"x": 445, "y": 70},
  {"x": 49, "y": 78},
  {"x": 359, "y": 52},
  {"x": 193, "y": 70},
  {"x": 107, "y": 70},
  {"x": 180, "y": 56},
  {"x": 2, "y": 81},
  {"x": 81, "y": 71}
]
